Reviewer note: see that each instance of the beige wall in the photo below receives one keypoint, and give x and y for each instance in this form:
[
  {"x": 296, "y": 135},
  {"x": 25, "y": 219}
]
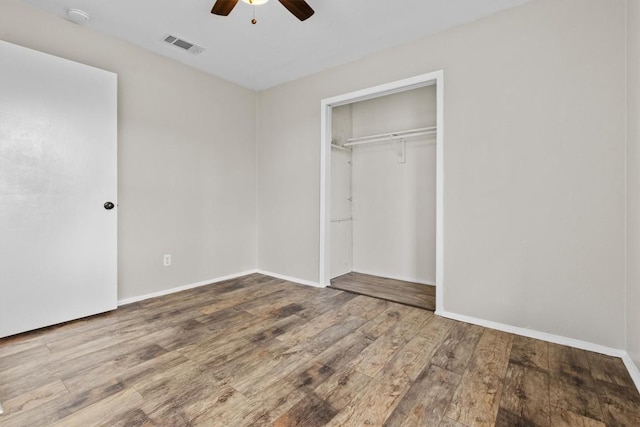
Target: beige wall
[
  {"x": 186, "y": 156},
  {"x": 534, "y": 165},
  {"x": 633, "y": 183}
]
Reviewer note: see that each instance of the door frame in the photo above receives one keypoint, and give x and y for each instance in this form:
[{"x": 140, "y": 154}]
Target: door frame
[{"x": 327, "y": 104}]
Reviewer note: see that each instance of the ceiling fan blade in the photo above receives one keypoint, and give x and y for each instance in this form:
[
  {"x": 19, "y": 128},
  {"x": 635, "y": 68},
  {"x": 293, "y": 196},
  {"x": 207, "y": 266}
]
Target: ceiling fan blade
[
  {"x": 299, "y": 8},
  {"x": 223, "y": 7}
]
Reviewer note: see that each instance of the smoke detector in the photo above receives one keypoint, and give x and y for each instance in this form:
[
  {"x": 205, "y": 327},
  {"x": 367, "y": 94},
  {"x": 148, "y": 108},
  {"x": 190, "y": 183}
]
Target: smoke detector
[{"x": 78, "y": 16}]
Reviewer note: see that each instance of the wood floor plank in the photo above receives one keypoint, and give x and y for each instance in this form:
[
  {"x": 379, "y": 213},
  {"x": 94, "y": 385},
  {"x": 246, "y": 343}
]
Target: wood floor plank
[
  {"x": 48, "y": 413},
  {"x": 312, "y": 411},
  {"x": 132, "y": 418},
  {"x": 226, "y": 319},
  {"x": 525, "y": 395},
  {"x": 253, "y": 358},
  {"x": 374, "y": 403},
  {"x": 372, "y": 359},
  {"x": 19, "y": 343},
  {"x": 571, "y": 356},
  {"x": 193, "y": 402},
  {"x": 344, "y": 351},
  {"x": 123, "y": 327},
  {"x": 436, "y": 328},
  {"x": 477, "y": 398},
  {"x": 331, "y": 335},
  {"x": 342, "y": 386},
  {"x": 366, "y": 307},
  {"x": 76, "y": 346},
  {"x": 389, "y": 384},
  {"x": 32, "y": 353},
  {"x": 383, "y": 322},
  {"x": 506, "y": 418},
  {"x": 258, "y": 351},
  {"x": 427, "y": 400},
  {"x": 414, "y": 294},
  {"x": 238, "y": 343},
  {"x": 609, "y": 369},
  {"x": 236, "y": 334},
  {"x": 529, "y": 352},
  {"x": 34, "y": 373},
  {"x": 96, "y": 414},
  {"x": 35, "y": 398},
  {"x": 306, "y": 330},
  {"x": 224, "y": 405},
  {"x": 413, "y": 322},
  {"x": 135, "y": 374},
  {"x": 564, "y": 418},
  {"x": 79, "y": 379},
  {"x": 574, "y": 375},
  {"x": 448, "y": 422},
  {"x": 84, "y": 326},
  {"x": 337, "y": 300},
  {"x": 232, "y": 289},
  {"x": 263, "y": 410},
  {"x": 457, "y": 348},
  {"x": 258, "y": 381},
  {"x": 574, "y": 398},
  {"x": 179, "y": 310},
  {"x": 414, "y": 357},
  {"x": 310, "y": 378},
  {"x": 270, "y": 304},
  {"x": 619, "y": 404},
  {"x": 238, "y": 297}
]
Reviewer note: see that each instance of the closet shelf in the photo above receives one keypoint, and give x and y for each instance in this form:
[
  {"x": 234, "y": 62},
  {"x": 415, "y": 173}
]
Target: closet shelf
[{"x": 391, "y": 136}]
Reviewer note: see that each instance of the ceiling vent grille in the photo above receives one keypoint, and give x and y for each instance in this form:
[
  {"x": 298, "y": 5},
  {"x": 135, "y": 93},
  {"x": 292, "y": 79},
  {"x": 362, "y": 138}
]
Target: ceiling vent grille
[{"x": 183, "y": 44}]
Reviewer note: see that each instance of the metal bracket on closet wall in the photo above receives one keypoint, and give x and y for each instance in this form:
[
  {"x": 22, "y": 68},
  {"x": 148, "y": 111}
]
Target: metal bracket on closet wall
[{"x": 401, "y": 151}]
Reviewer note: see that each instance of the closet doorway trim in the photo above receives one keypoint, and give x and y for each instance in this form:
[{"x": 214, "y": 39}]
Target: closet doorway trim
[{"x": 327, "y": 104}]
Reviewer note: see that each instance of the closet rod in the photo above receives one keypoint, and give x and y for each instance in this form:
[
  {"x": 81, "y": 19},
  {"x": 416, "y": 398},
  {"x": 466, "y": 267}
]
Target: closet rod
[
  {"x": 391, "y": 134},
  {"x": 390, "y": 137}
]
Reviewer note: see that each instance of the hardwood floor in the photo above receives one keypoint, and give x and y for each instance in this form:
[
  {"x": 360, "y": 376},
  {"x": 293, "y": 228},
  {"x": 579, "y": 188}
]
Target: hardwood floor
[
  {"x": 415, "y": 294},
  {"x": 262, "y": 351}
]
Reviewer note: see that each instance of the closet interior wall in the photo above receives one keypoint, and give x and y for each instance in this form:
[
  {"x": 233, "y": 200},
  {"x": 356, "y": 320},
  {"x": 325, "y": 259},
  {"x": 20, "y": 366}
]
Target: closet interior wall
[
  {"x": 341, "y": 209},
  {"x": 384, "y": 193}
]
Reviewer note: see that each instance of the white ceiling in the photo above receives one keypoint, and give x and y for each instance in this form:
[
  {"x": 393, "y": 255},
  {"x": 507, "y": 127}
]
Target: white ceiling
[{"x": 279, "y": 48}]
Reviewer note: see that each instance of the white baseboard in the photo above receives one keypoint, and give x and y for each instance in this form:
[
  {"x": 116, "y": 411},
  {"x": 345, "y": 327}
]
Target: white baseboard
[
  {"x": 632, "y": 368},
  {"x": 387, "y": 276},
  {"x": 291, "y": 279},
  {"x": 126, "y": 301},
  {"x": 531, "y": 333}
]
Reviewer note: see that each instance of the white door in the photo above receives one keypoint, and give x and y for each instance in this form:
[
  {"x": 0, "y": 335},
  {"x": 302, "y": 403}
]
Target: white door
[{"x": 58, "y": 136}]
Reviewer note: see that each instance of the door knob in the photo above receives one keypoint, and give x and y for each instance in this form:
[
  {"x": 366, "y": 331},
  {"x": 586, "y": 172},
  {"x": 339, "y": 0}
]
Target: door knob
[{"x": 108, "y": 206}]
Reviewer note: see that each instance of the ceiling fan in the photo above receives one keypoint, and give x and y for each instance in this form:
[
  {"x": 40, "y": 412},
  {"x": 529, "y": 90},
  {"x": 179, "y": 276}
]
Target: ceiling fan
[{"x": 299, "y": 8}]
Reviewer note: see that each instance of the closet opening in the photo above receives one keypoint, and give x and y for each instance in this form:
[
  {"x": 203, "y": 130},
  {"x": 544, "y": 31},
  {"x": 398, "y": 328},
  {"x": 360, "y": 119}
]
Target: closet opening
[{"x": 381, "y": 192}]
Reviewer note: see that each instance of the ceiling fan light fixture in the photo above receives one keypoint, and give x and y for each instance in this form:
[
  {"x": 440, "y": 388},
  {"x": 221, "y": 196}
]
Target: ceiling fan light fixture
[{"x": 299, "y": 8}]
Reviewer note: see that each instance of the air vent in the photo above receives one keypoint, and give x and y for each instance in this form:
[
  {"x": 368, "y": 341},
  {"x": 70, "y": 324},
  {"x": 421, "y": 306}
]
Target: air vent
[{"x": 183, "y": 44}]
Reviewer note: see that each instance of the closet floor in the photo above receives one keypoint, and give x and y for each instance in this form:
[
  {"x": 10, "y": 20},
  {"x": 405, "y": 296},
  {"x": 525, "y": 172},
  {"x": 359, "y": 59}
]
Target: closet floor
[{"x": 409, "y": 293}]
